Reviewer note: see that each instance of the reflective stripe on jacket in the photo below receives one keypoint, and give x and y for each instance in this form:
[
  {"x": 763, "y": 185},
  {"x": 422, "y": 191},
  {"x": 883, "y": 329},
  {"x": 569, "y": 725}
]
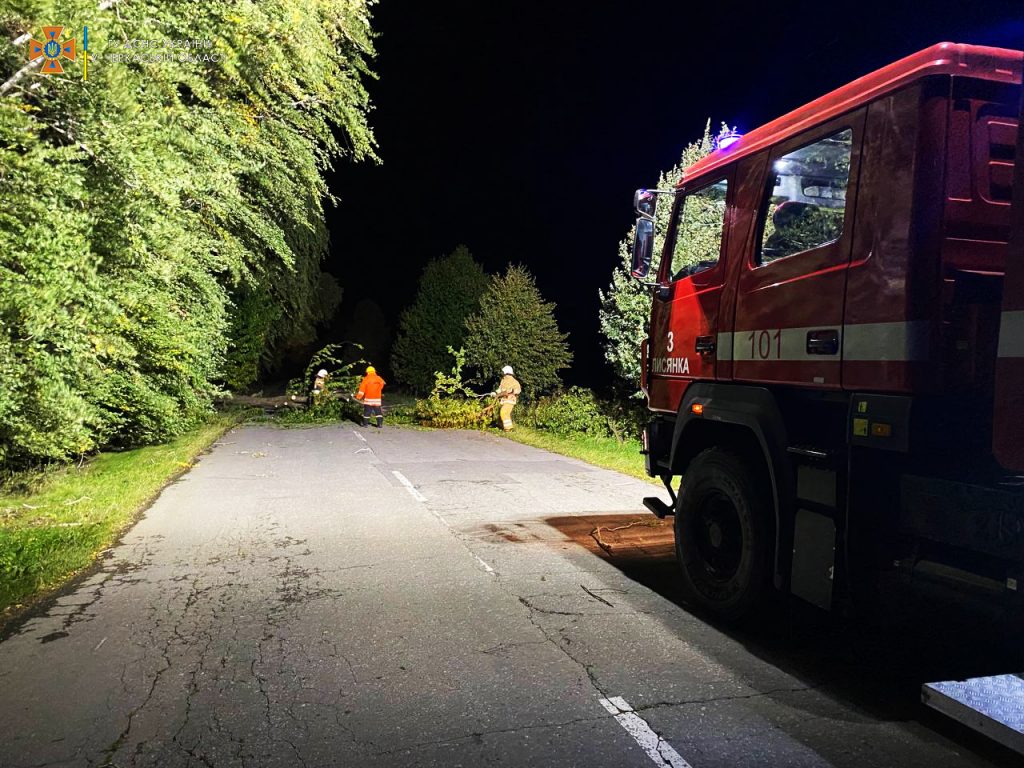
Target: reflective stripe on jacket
[
  {"x": 370, "y": 389},
  {"x": 509, "y": 390}
]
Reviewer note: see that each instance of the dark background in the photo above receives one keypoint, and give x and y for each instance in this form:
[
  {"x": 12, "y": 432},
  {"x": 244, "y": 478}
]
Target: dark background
[{"x": 522, "y": 129}]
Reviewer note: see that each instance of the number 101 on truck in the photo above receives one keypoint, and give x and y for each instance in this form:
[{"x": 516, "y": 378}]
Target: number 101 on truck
[{"x": 835, "y": 361}]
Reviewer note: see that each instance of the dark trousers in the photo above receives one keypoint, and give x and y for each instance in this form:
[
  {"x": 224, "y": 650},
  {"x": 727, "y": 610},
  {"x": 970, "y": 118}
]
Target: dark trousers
[{"x": 373, "y": 410}]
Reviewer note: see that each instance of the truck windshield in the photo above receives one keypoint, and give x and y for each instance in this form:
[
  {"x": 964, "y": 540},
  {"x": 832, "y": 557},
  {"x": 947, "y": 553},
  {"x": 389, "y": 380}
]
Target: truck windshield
[{"x": 808, "y": 199}]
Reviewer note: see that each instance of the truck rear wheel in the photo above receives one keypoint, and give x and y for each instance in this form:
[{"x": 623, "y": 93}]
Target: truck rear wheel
[{"x": 722, "y": 534}]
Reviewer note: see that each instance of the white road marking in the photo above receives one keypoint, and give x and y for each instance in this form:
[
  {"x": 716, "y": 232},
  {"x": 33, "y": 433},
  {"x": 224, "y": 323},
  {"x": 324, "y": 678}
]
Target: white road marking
[
  {"x": 408, "y": 486},
  {"x": 358, "y": 435},
  {"x": 659, "y": 750},
  {"x": 485, "y": 565}
]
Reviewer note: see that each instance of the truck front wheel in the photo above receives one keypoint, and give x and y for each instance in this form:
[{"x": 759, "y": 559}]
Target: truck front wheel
[{"x": 722, "y": 534}]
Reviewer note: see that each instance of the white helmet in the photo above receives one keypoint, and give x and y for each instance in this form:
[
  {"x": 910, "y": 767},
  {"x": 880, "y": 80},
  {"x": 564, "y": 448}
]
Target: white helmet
[
  {"x": 507, "y": 370},
  {"x": 321, "y": 372}
]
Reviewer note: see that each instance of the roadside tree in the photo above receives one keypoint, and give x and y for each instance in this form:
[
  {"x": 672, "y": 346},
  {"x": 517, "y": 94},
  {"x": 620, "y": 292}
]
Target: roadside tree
[
  {"x": 516, "y": 326},
  {"x": 626, "y": 304},
  {"x": 449, "y": 292},
  {"x": 163, "y": 227}
]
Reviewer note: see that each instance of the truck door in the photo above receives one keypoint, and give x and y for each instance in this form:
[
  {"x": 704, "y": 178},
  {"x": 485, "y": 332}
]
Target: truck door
[
  {"x": 789, "y": 303},
  {"x": 685, "y": 319}
]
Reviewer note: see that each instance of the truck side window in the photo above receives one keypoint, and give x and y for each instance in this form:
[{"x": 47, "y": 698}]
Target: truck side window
[
  {"x": 700, "y": 220},
  {"x": 808, "y": 199}
]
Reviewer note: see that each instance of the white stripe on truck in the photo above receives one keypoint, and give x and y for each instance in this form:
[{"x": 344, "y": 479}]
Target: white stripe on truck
[{"x": 900, "y": 341}]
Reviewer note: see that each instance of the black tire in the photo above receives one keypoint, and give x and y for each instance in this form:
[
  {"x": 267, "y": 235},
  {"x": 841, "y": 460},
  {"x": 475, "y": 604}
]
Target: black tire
[{"x": 723, "y": 534}]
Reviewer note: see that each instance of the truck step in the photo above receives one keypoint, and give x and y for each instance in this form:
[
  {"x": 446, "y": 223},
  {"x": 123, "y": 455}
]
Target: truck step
[
  {"x": 992, "y": 706},
  {"x": 658, "y": 507}
]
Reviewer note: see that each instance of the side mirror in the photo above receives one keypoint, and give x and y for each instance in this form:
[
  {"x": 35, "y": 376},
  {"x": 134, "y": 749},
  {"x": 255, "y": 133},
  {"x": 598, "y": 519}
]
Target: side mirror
[
  {"x": 645, "y": 201},
  {"x": 643, "y": 247}
]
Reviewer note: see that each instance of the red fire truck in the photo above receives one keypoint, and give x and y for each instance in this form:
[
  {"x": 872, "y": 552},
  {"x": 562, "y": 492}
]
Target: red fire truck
[{"x": 835, "y": 361}]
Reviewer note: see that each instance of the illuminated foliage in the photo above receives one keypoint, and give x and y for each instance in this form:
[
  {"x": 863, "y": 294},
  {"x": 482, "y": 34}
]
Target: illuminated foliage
[
  {"x": 146, "y": 210},
  {"x": 626, "y": 304},
  {"x": 516, "y": 327}
]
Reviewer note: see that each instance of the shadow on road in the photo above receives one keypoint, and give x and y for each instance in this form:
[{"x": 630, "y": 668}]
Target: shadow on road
[{"x": 874, "y": 660}]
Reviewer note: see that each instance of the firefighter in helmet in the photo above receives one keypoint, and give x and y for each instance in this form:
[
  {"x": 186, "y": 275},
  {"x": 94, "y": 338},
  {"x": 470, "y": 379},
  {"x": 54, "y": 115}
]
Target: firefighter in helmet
[
  {"x": 508, "y": 394},
  {"x": 370, "y": 390},
  {"x": 319, "y": 386}
]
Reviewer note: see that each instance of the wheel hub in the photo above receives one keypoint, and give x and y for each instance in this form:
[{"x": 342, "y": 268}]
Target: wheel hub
[
  {"x": 715, "y": 535},
  {"x": 719, "y": 537}
]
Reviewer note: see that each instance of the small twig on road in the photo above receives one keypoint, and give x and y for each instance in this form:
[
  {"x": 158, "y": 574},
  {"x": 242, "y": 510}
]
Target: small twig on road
[
  {"x": 596, "y": 533},
  {"x": 596, "y": 597}
]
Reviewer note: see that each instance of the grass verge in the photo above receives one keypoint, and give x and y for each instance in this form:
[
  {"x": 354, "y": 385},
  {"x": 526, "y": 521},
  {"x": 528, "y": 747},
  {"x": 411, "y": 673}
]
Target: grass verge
[
  {"x": 74, "y": 513},
  {"x": 606, "y": 452}
]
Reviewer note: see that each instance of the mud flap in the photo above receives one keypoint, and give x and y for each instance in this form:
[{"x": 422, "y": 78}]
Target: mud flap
[{"x": 814, "y": 557}]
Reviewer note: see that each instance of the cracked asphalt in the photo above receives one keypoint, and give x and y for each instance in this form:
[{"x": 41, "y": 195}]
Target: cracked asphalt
[{"x": 289, "y": 602}]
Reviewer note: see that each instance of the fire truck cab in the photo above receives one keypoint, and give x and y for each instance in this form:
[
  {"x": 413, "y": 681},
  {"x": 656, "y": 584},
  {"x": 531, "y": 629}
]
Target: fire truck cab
[{"x": 835, "y": 359}]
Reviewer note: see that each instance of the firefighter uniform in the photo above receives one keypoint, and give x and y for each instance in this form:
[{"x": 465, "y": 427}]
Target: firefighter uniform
[
  {"x": 319, "y": 387},
  {"x": 508, "y": 394},
  {"x": 370, "y": 391}
]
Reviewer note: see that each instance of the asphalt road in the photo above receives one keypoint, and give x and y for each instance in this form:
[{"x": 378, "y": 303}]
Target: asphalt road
[{"x": 344, "y": 597}]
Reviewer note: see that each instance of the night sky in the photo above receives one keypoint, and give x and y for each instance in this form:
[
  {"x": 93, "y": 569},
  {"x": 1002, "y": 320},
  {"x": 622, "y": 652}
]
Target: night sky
[{"x": 522, "y": 129}]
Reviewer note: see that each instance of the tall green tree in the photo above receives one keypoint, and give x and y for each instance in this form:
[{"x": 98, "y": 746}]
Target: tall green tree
[
  {"x": 626, "y": 304},
  {"x": 449, "y": 291},
  {"x": 144, "y": 207},
  {"x": 516, "y": 326}
]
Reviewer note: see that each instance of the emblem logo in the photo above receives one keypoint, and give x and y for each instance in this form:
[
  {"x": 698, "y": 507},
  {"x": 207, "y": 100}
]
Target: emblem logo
[{"x": 51, "y": 50}]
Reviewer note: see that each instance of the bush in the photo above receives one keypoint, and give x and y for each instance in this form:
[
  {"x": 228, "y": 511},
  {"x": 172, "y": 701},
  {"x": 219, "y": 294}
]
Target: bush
[
  {"x": 452, "y": 405},
  {"x": 575, "y": 412},
  {"x": 404, "y": 413},
  {"x": 627, "y": 417},
  {"x": 579, "y": 411},
  {"x": 452, "y": 413}
]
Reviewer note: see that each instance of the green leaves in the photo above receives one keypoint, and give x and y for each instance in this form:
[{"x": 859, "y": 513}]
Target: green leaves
[
  {"x": 626, "y": 305},
  {"x": 452, "y": 404},
  {"x": 515, "y": 326},
  {"x": 450, "y": 290},
  {"x": 166, "y": 217}
]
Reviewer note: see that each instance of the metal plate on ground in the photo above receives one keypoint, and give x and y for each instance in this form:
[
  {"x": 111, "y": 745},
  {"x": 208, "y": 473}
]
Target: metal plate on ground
[{"x": 993, "y": 706}]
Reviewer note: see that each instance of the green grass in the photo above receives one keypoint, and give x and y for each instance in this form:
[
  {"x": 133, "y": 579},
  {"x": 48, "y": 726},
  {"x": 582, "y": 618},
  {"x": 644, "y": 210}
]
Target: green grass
[
  {"x": 73, "y": 513},
  {"x": 604, "y": 452}
]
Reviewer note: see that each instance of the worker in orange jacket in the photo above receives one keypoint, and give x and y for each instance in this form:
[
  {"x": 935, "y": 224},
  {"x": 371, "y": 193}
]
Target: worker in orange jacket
[{"x": 370, "y": 391}]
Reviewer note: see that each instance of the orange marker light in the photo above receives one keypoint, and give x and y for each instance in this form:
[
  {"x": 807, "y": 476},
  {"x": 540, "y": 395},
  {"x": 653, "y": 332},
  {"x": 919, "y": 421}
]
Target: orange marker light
[
  {"x": 697, "y": 409},
  {"x": 879, "y": 429}
]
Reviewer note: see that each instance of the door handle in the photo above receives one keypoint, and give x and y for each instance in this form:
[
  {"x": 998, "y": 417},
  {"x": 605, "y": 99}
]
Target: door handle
[
  {"x": 823, "y": 342},
  {"x": 705, "y": 345}
]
